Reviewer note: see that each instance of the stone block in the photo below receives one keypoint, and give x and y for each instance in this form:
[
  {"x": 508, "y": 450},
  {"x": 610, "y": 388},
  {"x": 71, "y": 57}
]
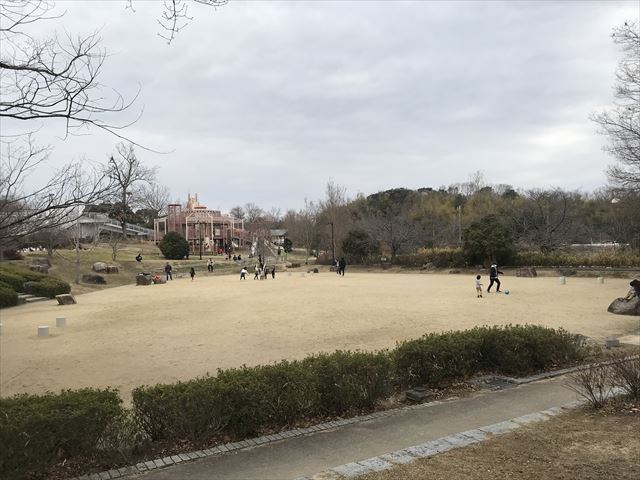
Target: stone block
[
  {"x": 352, "y": 469},
  {"x": 66, "y": 299},
  {"x": 93, "y": 279},
  {"x": 419, "y": 394},
  {"x": 400, "y": 457},
  {"x": 376, "y": 464}
]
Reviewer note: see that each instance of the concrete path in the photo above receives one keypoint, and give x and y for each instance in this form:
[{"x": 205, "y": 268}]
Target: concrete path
[{"x": 307, "y": 455}]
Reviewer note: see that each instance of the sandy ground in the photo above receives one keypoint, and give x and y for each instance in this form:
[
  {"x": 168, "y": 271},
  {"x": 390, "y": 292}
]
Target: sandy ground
[{"x": 129, "y": 336}]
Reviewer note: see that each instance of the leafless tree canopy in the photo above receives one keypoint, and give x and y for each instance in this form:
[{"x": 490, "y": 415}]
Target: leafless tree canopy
[
  {"x": 175, "y": 16},
  {"x": 47, "y": 206},
  {"x": 56, "y": 78},
  {"x": 621, "y": 123},
  {"x": 127, "y": 173}
]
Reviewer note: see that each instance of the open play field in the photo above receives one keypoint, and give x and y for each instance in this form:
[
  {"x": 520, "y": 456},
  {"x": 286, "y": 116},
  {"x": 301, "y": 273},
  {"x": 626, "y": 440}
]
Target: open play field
[{"x": 127, "y": 336}]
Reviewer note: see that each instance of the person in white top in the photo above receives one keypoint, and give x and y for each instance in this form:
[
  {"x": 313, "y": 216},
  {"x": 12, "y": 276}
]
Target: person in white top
[{"x": 478, "y": 287}]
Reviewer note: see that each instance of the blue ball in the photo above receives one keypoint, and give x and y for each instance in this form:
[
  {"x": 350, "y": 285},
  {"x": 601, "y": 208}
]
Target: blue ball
[{"x": 506, "y": 292}]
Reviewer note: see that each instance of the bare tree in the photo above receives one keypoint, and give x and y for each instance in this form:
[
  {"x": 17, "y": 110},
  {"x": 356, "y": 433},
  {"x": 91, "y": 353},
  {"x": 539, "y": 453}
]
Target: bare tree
[
  {"x": 50, "y": 205},
  {"x": 237, "y": 212},
  {"x": 154, "y": 197},
  {"x": 175, "y": 16},
  {"x": 55, "y": 78},
  {"x": 127, "y": 172},
  {"x": 301, "y": 226},
  {"x": 252, "y": 212},
  {"x": 622, "y": 122}
]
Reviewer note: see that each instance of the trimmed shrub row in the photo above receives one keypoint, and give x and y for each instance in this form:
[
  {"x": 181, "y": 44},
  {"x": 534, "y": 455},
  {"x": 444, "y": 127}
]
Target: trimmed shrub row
[
  {"x": 8, "y": 296},
  {"x": 242, "y": 401},
  {"x": 455, "y": 258},
  {"x": 37, "y": 430},
  {"x": 39, "y": 284},
  {"x": 511, "y": 350},
  {"x": 247, "y": 400},
  {"x": 618, "y": 257}
]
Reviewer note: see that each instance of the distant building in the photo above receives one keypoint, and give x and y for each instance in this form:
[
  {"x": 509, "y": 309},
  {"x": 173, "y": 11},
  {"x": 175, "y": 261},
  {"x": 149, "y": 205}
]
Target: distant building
[
  {"x": 278, "y": 236},
  {"x": 198, "y": 224}
]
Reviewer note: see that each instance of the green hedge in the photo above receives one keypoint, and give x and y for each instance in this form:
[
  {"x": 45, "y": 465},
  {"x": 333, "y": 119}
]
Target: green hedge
[
  {"x": 513, "y": 350},
  {"x": 618, "y": 257},
  {"x": 8, "y": 296},
  {"x": 50, "y": 287},
  {"x": 246, "y": 401},
  {"x": 39, "y": 430},
  {"x": 243, "y": 401},
  {"x": 44, "y": 286}
]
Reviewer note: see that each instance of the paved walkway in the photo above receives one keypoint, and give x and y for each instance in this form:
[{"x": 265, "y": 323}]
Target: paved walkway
[{"x": 309, "y": 454}]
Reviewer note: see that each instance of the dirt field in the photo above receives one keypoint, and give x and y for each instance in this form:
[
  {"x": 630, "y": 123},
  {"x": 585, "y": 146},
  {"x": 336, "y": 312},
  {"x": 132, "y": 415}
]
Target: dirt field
[
  {"x": 128, "y": 336},
  {"x": 582, "y": 444}
]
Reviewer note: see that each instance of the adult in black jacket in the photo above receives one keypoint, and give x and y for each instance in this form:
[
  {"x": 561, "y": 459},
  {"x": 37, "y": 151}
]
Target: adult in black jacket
[{"x": 493, "y": 277}]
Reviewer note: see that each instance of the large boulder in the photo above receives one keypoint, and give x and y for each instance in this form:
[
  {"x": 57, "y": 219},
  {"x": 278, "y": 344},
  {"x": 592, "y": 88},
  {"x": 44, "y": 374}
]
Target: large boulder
[
  {"x": 111, "y": 269},
  {"x": 622, "y": 306},
  {"x": 144, "y": 279},
  {"x": 93, "y": 279},
  {"x": 39, "y": 268},
  {"x": 99, "y": 267}
]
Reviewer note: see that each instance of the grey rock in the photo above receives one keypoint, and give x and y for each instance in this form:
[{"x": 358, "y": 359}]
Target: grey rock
[{"x": 620, "y": 306}]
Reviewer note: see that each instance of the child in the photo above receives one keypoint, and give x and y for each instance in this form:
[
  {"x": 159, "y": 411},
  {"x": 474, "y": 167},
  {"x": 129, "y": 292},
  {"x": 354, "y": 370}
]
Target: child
[
  {"x": 478, "y": 287},
  {"x": 192, "y": 272},
  {"x": 243, "y": 273}
]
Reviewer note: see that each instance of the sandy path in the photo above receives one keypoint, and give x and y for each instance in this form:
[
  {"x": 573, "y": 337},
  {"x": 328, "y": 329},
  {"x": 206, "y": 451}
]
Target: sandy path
[{"x": 128, "y": 336}]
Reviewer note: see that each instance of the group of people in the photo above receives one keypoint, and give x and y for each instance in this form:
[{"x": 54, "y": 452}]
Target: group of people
[
  {"x": 493, "y": 278},
  {"x": 261, "y": 272}
]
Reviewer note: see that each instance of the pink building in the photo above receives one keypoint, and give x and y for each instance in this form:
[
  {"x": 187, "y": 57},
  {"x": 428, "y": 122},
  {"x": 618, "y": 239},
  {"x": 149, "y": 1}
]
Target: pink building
[{"x": 201, "y": 226}]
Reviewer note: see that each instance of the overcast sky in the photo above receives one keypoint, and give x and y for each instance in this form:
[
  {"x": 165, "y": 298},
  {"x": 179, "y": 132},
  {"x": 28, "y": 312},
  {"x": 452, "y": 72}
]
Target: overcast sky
[{"x": 266, "y": 101}]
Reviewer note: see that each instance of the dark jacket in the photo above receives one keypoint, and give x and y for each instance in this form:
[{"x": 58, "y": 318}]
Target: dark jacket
[{"x": 493, "y": 272}]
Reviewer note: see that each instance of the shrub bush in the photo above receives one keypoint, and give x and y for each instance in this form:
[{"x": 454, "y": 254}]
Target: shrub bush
[
  {"x": 350, "y": 381},
  {"x": 439, "y": 257},
  {"x": 174, "y": 246},
  {"x": 514, "y": 350},
  {"x": 40, "y": 284},
  {"x": 8, "y": 296},
  {"x": 37, "y": 430},
  {"x": 618, "y": 257},
  {"x": 50, "y": 287},
  {"x": 16, "y": 282}
]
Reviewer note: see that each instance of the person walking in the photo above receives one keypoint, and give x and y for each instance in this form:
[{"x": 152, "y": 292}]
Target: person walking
[
  {"x": 210, "y": 265},
  {"x": 167, "y": 271},
  {"x": 493, "y": 278},
  {"x": 257, "y": 275},
  {"x": 342, "y": 264},
  {"x": 243, "y": 273},
  {"x": 273, "y": 272},
  {"x": 192, "y": 272}
]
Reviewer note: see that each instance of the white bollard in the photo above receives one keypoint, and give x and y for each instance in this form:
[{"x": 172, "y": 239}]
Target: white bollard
[
  {"x": 563, "y": 280},
  {"x": 43, "y": 331},
  {"x": 600, "y": 280},
  {"x": 61, "y": 322}
]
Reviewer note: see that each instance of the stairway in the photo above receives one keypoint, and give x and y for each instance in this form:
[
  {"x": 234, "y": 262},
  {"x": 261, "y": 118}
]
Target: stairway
[{"x": 28, "y": 298}]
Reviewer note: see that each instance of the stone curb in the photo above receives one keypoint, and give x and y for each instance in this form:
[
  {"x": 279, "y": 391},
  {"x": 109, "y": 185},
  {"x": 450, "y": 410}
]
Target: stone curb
[
  {"x": 443, "y": 444},
  {"x": 247, "y": 444},
  {"x": 434, "y": 447}
]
